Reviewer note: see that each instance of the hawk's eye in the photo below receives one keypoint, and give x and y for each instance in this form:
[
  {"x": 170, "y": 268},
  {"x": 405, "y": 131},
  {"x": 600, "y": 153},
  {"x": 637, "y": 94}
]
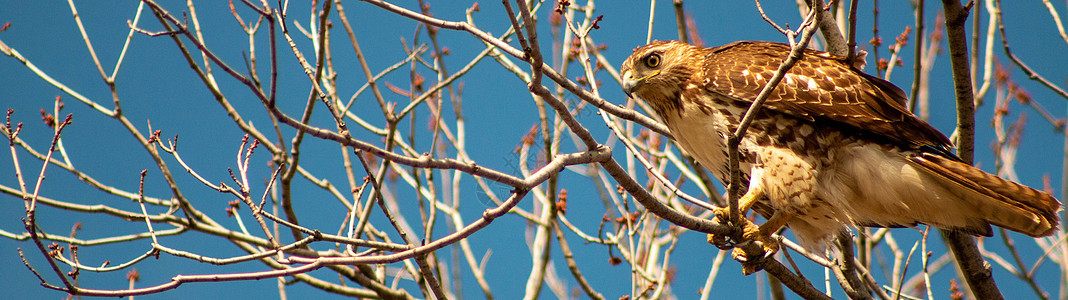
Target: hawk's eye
[{"x": 653, "y": 60}]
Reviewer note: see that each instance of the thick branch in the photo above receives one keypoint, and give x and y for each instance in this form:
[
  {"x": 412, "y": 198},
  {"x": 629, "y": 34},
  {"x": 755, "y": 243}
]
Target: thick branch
[{"x": 975, "y": 269}]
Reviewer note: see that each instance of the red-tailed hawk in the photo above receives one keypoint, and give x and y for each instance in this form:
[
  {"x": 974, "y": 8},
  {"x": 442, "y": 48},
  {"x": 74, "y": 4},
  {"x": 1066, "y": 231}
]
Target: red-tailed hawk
[{"x": 831, "y": 147}]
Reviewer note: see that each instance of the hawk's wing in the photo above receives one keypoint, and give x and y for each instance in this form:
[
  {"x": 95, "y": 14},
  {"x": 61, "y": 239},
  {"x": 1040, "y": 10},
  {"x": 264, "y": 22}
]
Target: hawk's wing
[{"x": 819, "y": 88}]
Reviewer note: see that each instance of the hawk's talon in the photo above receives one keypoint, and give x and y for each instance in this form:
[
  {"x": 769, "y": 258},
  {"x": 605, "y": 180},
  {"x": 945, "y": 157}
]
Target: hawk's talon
[
  {"x": 750, "y": 263},
  {"x": 754, "y": 245},
  {"x": 722, "y": 242},
  {"x": 719, "y": 241},
  {"x": 752, "y": 258},
  {"x": 723, "y": 214},
  {"x": 754, "y": 261},
  {"x": 753, "y": 233}
]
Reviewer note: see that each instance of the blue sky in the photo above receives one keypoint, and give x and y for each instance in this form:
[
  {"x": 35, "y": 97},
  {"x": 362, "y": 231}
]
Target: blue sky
[{"x": 155, "y": 85}]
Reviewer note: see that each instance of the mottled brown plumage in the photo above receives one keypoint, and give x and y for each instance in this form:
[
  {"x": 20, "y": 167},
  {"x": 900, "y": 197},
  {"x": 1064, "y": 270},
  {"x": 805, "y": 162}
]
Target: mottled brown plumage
[{"x": 831, "y": 147}]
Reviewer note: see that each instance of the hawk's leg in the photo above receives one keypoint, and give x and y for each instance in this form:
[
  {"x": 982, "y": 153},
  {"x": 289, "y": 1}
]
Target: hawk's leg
[
  {"x": 723, "y": 215},
  {"x": 751, "y": 257}
]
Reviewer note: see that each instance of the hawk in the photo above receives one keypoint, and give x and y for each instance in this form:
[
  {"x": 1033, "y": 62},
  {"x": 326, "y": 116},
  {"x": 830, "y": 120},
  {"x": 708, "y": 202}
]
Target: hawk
[{"x": 831, "y": 147}]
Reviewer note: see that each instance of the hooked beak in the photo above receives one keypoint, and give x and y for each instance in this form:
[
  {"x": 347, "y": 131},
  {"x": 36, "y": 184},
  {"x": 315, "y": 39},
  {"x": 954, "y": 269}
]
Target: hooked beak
[{"x": 629, "y": 83}]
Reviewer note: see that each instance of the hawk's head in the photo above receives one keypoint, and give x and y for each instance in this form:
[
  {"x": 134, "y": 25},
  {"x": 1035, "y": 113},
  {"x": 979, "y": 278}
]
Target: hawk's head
[{"x": 657, "y": 72}]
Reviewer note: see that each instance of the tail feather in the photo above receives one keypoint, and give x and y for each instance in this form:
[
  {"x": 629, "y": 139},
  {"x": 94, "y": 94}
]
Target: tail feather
[{"x": 1003, "y": 203}]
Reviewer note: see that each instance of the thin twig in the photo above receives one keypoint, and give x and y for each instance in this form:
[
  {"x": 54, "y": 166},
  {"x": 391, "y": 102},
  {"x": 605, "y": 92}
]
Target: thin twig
[{"x": 1027, "y": 70}]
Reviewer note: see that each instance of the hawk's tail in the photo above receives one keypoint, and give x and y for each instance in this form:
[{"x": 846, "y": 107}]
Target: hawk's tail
[{"x": 1001, "y": 202}]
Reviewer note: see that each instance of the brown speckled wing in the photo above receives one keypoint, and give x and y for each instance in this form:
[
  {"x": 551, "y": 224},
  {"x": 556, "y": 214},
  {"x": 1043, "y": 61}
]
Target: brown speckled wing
[{"x": 819, "y": 88}]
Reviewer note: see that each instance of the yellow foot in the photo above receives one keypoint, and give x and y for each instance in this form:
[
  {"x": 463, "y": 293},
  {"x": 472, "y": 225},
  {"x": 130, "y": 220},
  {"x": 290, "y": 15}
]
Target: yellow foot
[
  {"x": 752, "y": 255},
  {"x": 723, "y": 217},
  {"x": 721, "y": 241}
]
